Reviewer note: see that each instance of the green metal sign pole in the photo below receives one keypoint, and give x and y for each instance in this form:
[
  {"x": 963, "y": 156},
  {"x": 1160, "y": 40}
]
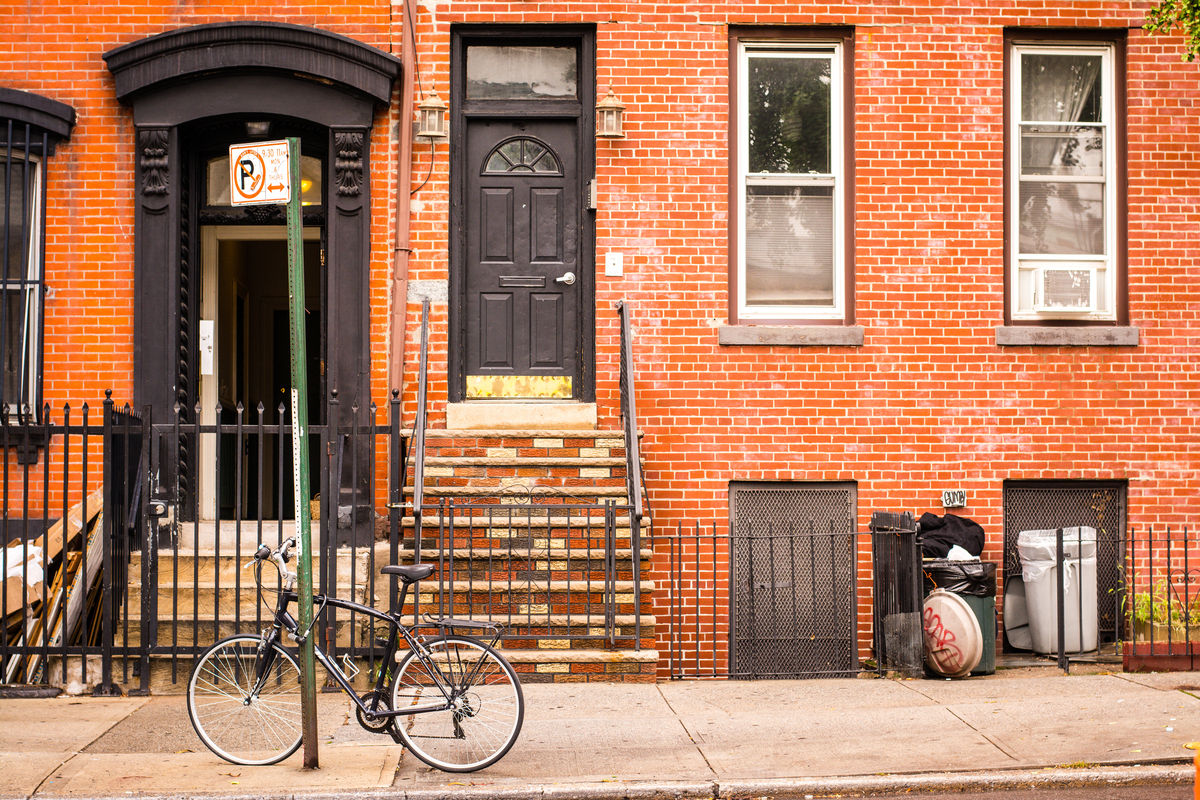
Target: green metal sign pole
[{"x": 299, "y": 350}]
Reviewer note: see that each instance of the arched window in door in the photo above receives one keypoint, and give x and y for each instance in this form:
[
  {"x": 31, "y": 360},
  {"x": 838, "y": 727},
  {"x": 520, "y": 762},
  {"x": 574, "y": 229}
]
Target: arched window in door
[{"x": 522, "y": 154}]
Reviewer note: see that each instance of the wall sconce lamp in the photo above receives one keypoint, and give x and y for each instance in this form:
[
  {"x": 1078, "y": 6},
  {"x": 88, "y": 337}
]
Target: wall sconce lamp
[
  {"x": 609, "y": 117},
  {"x": 431, "y": 124}
]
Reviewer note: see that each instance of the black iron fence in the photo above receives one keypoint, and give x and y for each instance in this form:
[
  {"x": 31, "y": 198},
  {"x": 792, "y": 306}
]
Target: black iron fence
[
  {"x": 70, "y": 515},
  {"x": 141, "y": 526},
  {"x": 560, "y": 571},
  {"x": 799, "y": 601},
  {"x": 1162, "y": 599},
  {"x": 762, "y": 602}
]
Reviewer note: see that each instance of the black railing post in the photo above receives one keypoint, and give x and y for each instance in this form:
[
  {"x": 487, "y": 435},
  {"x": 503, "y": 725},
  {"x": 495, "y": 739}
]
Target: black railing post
[
  {"x": 106, "y": 688},
  {"x": 1063, "y": 662},
  {"x": 610, "y": 577},
  {"x": 635, "y": 544},
  {"x": 330, "y": 488},
  {"x": 146, "y": 523}
]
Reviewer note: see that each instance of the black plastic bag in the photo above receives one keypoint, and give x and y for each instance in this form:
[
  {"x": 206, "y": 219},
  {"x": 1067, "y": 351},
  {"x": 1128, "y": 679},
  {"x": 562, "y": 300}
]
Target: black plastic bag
[{"x": 973, "y": 578}]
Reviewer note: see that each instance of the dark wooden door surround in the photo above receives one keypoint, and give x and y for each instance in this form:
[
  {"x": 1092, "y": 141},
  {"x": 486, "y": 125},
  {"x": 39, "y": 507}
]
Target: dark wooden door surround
[
  {"x": 517, "y": 233},
  {"x": 267, "y": 69}
]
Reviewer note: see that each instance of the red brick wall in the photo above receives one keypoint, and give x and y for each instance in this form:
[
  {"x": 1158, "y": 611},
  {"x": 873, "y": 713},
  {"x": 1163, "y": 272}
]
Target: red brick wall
[{"x": 929, "y": 401}]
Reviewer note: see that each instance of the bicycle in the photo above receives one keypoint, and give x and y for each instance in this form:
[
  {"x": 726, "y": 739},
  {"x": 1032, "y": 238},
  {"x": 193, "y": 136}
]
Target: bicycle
[{"x": 461, "y": 700}]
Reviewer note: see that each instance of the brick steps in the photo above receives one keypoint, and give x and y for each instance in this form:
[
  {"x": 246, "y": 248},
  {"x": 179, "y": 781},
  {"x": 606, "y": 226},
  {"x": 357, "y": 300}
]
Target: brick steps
[{"x": 524, "y": 548}]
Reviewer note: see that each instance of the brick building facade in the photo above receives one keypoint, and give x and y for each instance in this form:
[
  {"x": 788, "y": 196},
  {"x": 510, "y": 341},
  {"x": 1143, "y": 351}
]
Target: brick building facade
[{"x": 892, "y": 251}]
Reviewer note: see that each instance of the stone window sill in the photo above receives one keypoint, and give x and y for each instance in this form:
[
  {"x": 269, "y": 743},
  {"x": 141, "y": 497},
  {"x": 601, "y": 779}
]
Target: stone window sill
[
  {"x": 1050, "y": 336},
  {"x": 791, "y": 335}
]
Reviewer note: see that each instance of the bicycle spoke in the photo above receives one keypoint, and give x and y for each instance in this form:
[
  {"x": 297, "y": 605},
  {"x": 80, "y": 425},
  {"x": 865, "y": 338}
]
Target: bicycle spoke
[
  {"x": 485, "y": 709},
  {"x": 233, "y": 723}
]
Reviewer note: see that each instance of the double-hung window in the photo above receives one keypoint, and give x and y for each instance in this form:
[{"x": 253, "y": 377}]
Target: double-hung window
[
  {"x": 31, "y": 126},
  {"x": 790, "y": 229},
  {"x": 1064, "y": 223},
  {"x": 20, "y": 279}
]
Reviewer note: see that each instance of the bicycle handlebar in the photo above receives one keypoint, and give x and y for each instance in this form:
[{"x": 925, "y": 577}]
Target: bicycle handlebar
[{"x": 279, "y": 557}]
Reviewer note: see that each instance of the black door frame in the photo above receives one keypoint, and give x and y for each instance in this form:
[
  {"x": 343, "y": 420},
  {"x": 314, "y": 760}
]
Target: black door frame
[
  {"x": 584, "y": 38},
  {"x": 247, "y": 68}
]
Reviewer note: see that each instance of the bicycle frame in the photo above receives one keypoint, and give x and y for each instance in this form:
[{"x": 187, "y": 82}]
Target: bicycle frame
[{"x": 397, "y": 630}]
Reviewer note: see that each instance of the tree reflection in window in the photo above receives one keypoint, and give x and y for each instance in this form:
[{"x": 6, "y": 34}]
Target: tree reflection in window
[{"x": 522, "y": 155}]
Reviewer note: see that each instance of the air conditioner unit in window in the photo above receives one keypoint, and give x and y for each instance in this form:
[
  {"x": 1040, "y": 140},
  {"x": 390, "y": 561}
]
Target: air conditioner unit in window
[{"x": 1062, "y": 289}]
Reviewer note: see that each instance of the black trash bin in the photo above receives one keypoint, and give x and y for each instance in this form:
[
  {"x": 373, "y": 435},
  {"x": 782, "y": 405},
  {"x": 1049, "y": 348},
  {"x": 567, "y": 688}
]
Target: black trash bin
[{"x": 975, "y": 582}]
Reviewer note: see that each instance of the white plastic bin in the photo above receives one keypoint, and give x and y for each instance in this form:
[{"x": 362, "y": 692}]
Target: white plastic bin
[{"x": 1039, "y": 570}]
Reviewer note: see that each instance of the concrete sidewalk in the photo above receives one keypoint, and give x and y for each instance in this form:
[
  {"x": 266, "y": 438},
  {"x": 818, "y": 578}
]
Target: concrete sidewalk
[{"x": 692, "y": 739}]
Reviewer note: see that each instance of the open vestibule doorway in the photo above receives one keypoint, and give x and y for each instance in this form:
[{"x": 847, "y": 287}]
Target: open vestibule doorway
[{"x": 244, "y": 309}]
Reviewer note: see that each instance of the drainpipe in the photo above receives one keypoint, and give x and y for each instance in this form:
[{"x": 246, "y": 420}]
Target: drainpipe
[{"x": 401, "y": 249}]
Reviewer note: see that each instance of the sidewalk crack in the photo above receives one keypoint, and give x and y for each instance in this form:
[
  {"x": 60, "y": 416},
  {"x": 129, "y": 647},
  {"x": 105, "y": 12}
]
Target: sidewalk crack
[
  {"x": 52, "y": 773},
  {"x": 987, "y": 738},
  {"x": 686, "y": 732}
]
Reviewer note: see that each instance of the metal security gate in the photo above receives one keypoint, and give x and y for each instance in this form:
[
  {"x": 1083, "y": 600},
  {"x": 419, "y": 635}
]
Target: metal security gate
[
  {"x": 792, "y": 574},
  {"x": 1046, "y": 505}
]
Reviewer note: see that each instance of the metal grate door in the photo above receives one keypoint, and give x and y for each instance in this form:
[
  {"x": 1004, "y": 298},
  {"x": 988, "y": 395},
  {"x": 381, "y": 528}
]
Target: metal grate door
[
  {"x": 1043, "y": 505},
  {"x": 793, "y": 580}
]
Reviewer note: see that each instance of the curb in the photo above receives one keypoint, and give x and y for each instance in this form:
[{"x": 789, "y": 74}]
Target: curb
[{"x": 772, "y": 788}]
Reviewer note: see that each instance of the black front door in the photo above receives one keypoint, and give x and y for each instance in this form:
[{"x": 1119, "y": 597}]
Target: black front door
[{"x": 522, "y": 271}]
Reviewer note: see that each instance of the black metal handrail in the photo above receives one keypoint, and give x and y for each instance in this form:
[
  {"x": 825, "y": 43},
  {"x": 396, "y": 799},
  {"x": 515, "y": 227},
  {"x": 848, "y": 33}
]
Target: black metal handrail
[
  {"x": 633, "y": 456},
  {"x": 418, "y": 449}
]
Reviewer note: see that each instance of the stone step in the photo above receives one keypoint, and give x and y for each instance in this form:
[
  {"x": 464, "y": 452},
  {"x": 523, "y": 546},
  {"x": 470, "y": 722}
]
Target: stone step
[
  {"x": 615, "y": 435},
  {"x": 615, "y": 462},
  {"x": 230, "y": 567},
  {"x": 355, "y": 568},
  {"x": 169, "y": 675},
  {"x": 557, "y": 628},
  {"x": 543, "y": 493}
]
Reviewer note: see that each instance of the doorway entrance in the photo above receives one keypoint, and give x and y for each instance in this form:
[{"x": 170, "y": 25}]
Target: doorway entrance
[
  {"x": 522, "y": 280},
  {"x": 245, "y": 359}
]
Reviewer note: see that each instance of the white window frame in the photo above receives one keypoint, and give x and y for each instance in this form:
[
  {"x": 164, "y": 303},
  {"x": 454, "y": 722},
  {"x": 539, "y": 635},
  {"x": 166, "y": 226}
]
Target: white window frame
[
  {"x": 28, "y": 282},
  {"x": 1025, "y": 269},
  {"x": 832, "y": 49}
]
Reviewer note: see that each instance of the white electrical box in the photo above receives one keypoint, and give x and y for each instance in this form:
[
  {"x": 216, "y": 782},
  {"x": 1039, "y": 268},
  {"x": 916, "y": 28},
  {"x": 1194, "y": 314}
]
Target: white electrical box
[{"x": 614, "y": 265}]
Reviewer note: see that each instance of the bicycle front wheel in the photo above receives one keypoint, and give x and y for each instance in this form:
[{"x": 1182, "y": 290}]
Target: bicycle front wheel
[
  {"x": 478, "y": 701},
  {"x": 239, "y": 717}
]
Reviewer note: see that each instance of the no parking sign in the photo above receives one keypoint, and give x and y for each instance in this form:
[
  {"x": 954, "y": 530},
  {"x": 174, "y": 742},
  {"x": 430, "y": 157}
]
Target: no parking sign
[{"x": 259, "y": 173}]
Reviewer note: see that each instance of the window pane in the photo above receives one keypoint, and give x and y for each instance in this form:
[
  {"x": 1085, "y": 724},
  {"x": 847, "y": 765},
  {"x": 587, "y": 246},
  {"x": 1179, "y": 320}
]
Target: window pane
[
  {"x": 16, "y": 347},
  {"x": 12, "y": 175},
  {"x": 1062, "y": 150},
  {"x": 1062, "y": 218},
  {"x": 521, "y": 73},
  {"x": 789, "y": 245},
  {"x": 789, "y": 114},
  {"x": 1060, "y": 88}
]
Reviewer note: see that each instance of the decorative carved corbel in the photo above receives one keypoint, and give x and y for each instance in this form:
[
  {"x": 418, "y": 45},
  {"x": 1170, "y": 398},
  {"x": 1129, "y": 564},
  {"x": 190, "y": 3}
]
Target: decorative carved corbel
[
  {"x": 153, "y": 161},
  {"x": 349, "y": 162}
]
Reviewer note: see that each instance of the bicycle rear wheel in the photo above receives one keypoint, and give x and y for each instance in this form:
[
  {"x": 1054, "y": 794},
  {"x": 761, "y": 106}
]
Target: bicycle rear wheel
[
  {"x": 233, "y": 719},
  {"x": 482, "y": 700}
]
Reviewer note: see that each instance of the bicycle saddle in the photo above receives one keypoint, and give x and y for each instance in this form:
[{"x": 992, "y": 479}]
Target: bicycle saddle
[{"x": 409, "y": 572}]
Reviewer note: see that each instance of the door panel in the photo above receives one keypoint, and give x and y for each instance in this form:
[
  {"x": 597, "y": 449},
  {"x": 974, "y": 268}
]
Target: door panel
[
  {"x": 496, "y": 331},
  {"x": 523, "y": 256},
  {"x": 497, "y": 226},
  {"x": 545, "y": 330}
]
